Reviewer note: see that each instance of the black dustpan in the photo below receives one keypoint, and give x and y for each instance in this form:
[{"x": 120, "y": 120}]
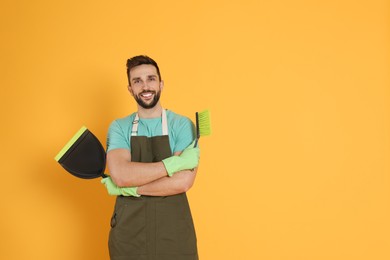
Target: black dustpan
[{"x": 83, "y": 156}]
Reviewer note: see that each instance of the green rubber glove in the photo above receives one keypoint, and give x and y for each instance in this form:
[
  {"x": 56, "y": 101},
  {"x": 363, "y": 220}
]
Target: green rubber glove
[
  {"x": 187, "y": 160},
  {"x": 116, "y": 191}
]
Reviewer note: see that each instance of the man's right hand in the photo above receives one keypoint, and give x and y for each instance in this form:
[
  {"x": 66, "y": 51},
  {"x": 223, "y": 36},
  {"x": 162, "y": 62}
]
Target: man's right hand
[{"x": 187, "y": 160}]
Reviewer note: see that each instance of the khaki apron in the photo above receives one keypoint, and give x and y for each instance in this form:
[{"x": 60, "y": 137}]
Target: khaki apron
[{"x": 147, "y": 227}]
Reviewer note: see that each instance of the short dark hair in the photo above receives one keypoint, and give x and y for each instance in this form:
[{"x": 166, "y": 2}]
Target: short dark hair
[{"x": 140, "y": 60}]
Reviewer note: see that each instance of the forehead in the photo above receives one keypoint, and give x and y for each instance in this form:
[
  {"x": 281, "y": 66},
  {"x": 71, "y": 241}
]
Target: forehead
[{"x": 143, "y": 70}]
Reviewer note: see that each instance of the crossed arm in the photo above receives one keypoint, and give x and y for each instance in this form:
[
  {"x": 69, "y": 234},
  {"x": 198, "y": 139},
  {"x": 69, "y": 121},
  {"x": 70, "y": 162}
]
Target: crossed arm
[{"x": 150, "y": 178}]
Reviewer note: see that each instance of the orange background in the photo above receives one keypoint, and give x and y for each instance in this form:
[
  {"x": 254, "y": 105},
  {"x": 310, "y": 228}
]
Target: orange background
[{"x": 298, "y": 163}]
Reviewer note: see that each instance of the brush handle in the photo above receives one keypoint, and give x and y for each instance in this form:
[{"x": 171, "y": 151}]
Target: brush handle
[
  {"x": 196, "y": 142},
  {"x": 197, "y": 129},
  {"x": 197, "y": 125}
]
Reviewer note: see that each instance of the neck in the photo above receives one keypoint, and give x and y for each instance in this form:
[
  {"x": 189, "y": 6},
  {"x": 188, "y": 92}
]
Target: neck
[{"x": 151, "y": 112}]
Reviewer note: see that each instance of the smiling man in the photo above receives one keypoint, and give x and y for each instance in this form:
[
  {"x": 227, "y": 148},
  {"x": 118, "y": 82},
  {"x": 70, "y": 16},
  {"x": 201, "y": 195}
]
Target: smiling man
[{"x": 153, "y": 163}]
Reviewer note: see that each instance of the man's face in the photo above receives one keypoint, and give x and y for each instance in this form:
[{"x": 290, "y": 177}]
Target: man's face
[{"x": 145, "y": 85}]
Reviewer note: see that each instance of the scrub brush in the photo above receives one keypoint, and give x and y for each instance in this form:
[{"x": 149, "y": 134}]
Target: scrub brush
[{"x": 203, "y": 125}]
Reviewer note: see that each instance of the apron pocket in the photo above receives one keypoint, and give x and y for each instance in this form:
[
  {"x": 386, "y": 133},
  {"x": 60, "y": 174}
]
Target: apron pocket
[{"x": 128, "y": 229}]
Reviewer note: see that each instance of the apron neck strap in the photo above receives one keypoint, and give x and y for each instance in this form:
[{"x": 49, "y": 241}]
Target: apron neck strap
[{"x": 134, "y": 130}]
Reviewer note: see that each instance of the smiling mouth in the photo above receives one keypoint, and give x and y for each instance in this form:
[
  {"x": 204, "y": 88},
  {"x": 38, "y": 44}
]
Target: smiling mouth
[{"x": 147, "y": 94}]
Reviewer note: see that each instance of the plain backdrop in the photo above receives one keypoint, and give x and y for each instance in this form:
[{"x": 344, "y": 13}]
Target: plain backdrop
[{"x": 297, "y": 166}]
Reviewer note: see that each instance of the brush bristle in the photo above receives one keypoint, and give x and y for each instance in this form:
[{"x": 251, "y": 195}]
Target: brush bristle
[{"x": 204, "y": 123}]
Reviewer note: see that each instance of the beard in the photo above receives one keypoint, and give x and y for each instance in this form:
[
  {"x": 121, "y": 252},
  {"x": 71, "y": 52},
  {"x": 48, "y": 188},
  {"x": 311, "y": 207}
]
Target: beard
[{"x": 156, "y": 98}]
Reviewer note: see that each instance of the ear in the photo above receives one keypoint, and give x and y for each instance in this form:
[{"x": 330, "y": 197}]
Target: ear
[
  {"x": 130, "y": 90},
  {"x": 161, "y": 84}
]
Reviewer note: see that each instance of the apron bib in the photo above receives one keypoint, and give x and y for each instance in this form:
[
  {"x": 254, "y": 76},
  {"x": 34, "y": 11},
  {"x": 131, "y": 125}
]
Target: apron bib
[{"x": 149, "y": 227}]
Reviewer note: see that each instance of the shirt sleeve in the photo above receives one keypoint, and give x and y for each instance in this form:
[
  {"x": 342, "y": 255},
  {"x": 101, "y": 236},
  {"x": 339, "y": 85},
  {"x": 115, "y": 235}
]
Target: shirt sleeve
[
  {"x": 185, "y": 134},
  {"x": 116, "y": 138}
]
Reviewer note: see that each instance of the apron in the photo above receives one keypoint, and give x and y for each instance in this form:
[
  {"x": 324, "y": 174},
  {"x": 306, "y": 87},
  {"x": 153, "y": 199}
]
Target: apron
[{"x": 150, "y": 227}]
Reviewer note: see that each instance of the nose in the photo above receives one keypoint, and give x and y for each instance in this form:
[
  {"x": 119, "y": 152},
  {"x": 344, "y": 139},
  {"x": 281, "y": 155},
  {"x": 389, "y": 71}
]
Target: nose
[{"x": 145, "y": 86}]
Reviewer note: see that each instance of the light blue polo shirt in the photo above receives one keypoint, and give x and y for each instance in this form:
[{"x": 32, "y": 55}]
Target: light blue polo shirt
[{"x": 181, "y": 131}]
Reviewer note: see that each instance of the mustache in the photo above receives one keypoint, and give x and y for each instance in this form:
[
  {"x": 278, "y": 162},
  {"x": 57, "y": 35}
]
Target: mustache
[{"x": 147, "y": 91}]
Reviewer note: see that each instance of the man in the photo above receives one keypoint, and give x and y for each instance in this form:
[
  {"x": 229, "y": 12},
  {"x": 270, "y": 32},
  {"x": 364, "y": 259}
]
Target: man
[{"x": 152, "y": 162}]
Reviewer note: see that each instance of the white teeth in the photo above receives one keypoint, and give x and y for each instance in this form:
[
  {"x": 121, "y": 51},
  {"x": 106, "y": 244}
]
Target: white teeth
[{"x": 146, "y": 94}]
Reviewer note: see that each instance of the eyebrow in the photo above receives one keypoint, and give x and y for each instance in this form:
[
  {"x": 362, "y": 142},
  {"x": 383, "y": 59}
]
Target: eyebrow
[{"x": 139, "y": 78}]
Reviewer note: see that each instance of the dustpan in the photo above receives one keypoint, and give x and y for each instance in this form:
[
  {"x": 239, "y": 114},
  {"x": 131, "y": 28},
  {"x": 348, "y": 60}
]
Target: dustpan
[{"x": 83, "y": 156}]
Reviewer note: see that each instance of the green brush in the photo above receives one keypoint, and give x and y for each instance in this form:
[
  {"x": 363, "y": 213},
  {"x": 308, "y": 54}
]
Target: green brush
[{"x": 203, "y": 125}]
